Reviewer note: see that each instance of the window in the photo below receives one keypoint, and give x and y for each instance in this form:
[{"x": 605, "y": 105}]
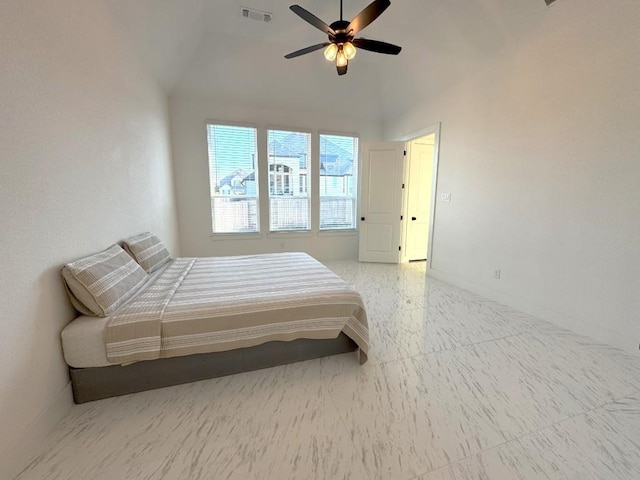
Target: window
[
  {"x": 303, "y": 162},
  {"x": 280, "y": 179},
  {"x": 338, "y": 180},
  {"x": 303, "y": 183},
  {"x": 289, "y": 203},
  {"x": 290, "y": 191},
  {"x": 233, "y": 162}
]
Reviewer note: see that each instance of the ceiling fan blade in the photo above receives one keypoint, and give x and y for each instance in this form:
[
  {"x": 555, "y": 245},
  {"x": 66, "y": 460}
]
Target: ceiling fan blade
[
  {"x": 342, "y": 70},
  {"x": 376, "y": 46},
  {"x": 309, "y": 17},
  {"x": 304, "y": 51},
  {"x": 368, "y": 15}
]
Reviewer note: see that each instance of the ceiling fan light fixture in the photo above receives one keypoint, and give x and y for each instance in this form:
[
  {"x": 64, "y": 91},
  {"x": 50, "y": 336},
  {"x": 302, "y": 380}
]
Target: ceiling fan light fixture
[
  {"x": 341, "y": 58},
  {"x": 342, "y": 43},
  {"x": 349, "y": 50},
  {"x": 331, "y": 52}
]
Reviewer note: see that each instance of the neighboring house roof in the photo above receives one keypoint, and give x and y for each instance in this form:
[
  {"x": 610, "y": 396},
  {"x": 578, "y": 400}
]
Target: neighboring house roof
[
  {"x": 294, "y": 145},
  {"x": 236, "y": 173},
  {"x": 335, "y": 168},
  {"x": 335, "y": 161},
  {"x": 250, "y": 177},
  {"x": 330, "y": 149}
]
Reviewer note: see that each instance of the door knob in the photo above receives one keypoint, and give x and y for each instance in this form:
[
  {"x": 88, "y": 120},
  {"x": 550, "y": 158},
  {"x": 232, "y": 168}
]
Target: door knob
[{"x": 413, "y": 218}]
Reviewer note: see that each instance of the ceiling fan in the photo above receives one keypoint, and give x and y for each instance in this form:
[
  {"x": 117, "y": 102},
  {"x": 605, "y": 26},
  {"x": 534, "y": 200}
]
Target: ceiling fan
[{"x": 341, "y": 46}]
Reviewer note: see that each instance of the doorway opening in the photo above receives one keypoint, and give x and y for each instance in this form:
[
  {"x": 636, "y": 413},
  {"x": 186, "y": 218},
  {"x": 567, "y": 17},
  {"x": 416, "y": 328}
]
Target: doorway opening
[
  {"x": 397, "y": 198},
  {"x": 418, "y": 212}
]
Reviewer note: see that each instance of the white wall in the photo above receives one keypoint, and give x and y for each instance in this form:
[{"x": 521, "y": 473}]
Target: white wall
[
  {"x": 85, "y": 163},
  {"x": 540, "y": 150},
  {"x": 188, "y": 133}
]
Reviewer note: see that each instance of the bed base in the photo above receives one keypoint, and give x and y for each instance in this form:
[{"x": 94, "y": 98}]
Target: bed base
[{"x": 102, "y": 382}]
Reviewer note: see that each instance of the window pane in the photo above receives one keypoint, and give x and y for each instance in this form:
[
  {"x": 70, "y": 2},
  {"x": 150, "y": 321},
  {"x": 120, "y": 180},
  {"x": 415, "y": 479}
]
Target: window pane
[
  {"x": 233, "y": 161},
  {"x": 289, "y": 154},
  {"x": 338, "y": 181}
]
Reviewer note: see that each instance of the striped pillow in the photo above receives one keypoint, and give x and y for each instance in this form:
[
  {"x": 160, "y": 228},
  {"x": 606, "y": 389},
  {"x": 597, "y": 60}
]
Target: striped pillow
[
  {"x": 104, "y": 281},
  {"x": 148, "y": 251}
]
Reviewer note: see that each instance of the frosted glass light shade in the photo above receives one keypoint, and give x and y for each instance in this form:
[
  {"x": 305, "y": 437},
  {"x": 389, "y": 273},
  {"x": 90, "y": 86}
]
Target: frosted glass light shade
[
  {"x": 341, "y": 59},
  {"x": 330, "y": 52},
  {"x": 349, "y": 50}
]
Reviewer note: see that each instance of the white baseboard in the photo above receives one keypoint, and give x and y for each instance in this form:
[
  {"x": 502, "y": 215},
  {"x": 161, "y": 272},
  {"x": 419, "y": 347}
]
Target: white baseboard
[
  {"x": 580, "y": 326},
  {"x": 31, "y": 441}
]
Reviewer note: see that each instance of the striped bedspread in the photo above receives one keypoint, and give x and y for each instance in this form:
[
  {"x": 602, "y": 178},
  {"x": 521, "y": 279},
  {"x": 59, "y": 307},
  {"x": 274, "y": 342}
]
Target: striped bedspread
[{"x": 201, "y": 305}]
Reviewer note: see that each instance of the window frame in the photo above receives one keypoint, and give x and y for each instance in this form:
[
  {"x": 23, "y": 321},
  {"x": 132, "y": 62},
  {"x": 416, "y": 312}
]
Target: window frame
[
  {"x": 309, "y": 174},
  {"x": 237, "y": 235},
  {"x": 262, "y": 183},
  {"x": 356, "y": 183}
]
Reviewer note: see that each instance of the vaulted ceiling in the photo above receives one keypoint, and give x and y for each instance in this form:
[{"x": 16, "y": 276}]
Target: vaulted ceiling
[{"x": 205, "y": 49}]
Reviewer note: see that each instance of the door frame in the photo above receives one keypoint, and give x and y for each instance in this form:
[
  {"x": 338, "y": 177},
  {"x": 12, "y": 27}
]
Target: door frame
[{"x": 435, "y": 130}]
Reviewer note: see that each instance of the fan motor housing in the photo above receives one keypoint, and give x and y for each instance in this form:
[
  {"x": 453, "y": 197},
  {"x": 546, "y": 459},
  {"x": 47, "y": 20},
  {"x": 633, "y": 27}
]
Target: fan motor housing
[{"x": 340, "y": 27}]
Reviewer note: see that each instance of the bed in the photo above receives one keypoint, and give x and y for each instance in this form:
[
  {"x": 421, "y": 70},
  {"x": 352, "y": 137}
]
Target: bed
[{"x": 196, "y": 318}]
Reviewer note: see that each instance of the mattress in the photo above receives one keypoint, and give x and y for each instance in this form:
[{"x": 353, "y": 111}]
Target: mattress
[{"x": 83, "y": 342}]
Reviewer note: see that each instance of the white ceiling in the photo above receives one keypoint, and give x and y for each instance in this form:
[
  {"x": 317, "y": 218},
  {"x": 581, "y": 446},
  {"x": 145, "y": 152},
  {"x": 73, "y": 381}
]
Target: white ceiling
[{"x": 204, "y": 48}]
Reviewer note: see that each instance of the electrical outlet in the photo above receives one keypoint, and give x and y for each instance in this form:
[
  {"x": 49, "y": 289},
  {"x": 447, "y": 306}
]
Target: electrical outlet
[
  {"x": 496, "y": 274},
  {"x": 446, "y": 197}
]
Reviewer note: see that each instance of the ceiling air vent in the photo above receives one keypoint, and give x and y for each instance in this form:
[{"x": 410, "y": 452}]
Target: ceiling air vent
[
  {"x": 549, "y": 2},
  {"x": 255, "y": 14}
]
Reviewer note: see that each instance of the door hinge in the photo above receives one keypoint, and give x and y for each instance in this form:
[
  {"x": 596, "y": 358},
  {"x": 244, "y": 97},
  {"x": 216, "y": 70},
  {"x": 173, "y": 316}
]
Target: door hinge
[
  {"x": 400, "y": 217},
  {"x": 403, "y": 185},
  {"x": 405, "y": 153},
  {"x": 399, "y": 249}
]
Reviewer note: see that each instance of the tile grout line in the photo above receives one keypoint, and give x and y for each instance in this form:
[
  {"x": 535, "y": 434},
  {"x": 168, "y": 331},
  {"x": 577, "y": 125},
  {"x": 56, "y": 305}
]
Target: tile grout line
[{"x": 466, "y": 345}]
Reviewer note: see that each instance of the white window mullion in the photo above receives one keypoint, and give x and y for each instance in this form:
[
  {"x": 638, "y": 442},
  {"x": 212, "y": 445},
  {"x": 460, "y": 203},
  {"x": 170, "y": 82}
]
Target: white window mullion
[
  {"x": 314, "y": 184},
  {"x": 263, "y": 170}
]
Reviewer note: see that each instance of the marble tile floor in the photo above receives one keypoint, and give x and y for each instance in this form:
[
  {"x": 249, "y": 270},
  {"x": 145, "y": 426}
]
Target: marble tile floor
[{"x": 457, "y": 387}]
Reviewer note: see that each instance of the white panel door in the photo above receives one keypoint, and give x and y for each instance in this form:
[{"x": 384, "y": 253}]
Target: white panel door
[
  {"x": 381, "y": 206},
  {"x": 419, "y": 179}
]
